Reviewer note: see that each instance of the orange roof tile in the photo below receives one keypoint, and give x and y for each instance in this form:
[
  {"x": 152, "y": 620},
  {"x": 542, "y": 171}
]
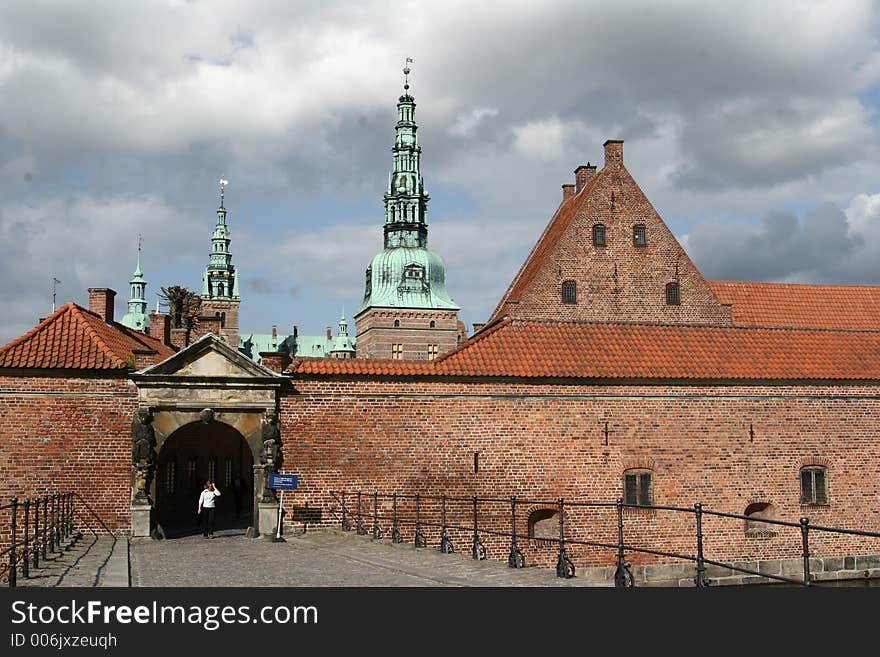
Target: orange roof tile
[
  {"x": 543, "y": 247},
  {"x": 75, "y": 338},
  {"x": 585, "y": 350},
  {"x": 801, "y": 306}
]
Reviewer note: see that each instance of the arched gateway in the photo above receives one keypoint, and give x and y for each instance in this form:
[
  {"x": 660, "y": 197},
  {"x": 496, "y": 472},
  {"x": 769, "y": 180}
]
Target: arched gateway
[{"x": 206, "y": 412}]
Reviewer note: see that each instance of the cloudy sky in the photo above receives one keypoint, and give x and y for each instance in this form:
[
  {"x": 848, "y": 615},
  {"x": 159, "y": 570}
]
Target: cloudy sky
[{"x": 752, "y": 126}]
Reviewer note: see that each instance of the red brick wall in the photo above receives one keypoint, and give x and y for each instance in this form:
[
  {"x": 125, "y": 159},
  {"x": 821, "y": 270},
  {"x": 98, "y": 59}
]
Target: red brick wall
[
  {"x": 376, "y": 332},
  {"x": 542, "y": 442},
  {"x": 69, "y": 434},
  {"x": 230, "y": 331},
  {"x": 618, "y": 281}
]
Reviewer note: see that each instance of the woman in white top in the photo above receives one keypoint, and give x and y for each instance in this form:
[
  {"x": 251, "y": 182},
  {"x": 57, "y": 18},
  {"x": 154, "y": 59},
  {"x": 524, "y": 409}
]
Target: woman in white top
[{"x": 206, "y": 504}]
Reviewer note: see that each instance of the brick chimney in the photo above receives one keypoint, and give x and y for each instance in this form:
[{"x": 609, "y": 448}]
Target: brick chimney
[
  {"x": 613, "y": 153},
  {"x": 329, "y": 333},
  {"x": 101, "y": 301},
  {"x": 567, "y": 192},
  {"x": 582, "y": 176},
  {"x": 295, "y": 331},
  {"x": 478, "y": 327},
  {"x": 160, "y": 327}
]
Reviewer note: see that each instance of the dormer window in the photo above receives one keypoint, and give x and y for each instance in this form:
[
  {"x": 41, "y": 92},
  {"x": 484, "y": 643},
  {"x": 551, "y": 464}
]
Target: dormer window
[
  {"x": 599, "y": 235},
  {"x": 639, "y": 235}
]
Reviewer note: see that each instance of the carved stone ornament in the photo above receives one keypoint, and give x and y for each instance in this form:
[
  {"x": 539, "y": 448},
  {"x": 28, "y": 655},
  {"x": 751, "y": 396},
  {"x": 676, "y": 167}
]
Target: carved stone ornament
[
  {"x": 270, "y": 455},
  {"x": 143, "y": 454},
  {"x": 206, "y": 416}
]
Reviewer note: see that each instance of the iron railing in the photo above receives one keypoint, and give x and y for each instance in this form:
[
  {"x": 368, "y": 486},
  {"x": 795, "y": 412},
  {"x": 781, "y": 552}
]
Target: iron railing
[
  {"x": 38, "y": 527},
  {"x": 565, "y": 567}
]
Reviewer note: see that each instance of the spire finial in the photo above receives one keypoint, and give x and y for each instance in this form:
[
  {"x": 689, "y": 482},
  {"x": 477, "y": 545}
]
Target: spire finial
[
  {"x": 406, "y": 72},
  {"x": 222, "y": 183}
]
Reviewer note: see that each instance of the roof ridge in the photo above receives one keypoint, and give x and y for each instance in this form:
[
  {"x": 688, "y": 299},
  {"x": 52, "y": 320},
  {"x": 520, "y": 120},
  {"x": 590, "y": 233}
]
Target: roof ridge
[
  {"x": 778, "y": 283},
  {"x": 77, "y": 312},
  {"x": 17, "y": 341},
  {"x": 598, "y": 322}
]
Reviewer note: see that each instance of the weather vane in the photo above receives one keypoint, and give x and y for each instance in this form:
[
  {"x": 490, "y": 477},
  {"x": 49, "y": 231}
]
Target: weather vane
[
  {"x": 223, "y": 183},
  {"x": 406, "y": 72}
]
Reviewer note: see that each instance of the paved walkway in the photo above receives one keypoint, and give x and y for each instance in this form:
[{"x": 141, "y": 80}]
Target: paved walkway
[
  {"x": 319, "y": 558},
  {"x": 92, "y": 561}
]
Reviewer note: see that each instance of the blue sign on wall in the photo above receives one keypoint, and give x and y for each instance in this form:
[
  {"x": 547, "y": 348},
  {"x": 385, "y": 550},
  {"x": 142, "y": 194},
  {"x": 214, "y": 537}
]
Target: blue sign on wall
[{"x": 283, "y": 481}]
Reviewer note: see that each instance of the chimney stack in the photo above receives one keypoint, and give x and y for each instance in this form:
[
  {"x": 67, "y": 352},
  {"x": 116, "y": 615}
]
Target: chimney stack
[
  {"x": 101, "y": 301},
  {"x": 567, "y": 192},
  {"x": 295, "y": 331},
  {"x": 274, "y": 331},
  {"x": 613, "y": 153},
  {"x": 478, "y": 327},
  {"x": 329, "y": 334},
  {"x": 582, "y": 176},
  {"x": 160, "y": 327}
]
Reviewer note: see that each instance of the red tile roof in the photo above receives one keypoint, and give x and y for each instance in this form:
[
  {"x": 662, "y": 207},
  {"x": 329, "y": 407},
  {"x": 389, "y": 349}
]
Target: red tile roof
[
  {"x": 544, "y": 246},
  {"x": 75, "y": 338},
  {"x": 802, "y": 306},
  {"x": 585, "y": 350}
]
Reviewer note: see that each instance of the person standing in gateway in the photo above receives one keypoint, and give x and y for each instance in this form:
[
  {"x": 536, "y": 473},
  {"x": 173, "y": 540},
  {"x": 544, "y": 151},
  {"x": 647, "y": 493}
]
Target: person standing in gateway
[{"x": 206, "y": 504}]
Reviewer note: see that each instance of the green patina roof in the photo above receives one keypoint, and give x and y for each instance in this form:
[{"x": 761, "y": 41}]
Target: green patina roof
[
  {"x": 407, "y": 278},
  {"x": 137, "y": 318},
  {"x": 304, "y": 346}
]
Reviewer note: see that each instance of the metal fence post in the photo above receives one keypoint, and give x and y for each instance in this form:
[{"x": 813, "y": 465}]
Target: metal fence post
[
  {"x": 515, "y": 559},
  {"x": 45, "y": 543},
  {"x": 67, "y": 515},
  {"x": 622, "y": 576},
  {"x": 395, "y": 529},
  {"x": 478, "y": 550},
  {"x": 445, "y": 541},
  {"x": 805, "y": 540},
  {"x": 377, "y": 533},
  {"x": 564, "y": 566},
  {"x": 359, "y": 524},
  {"x": 26, "y": 554},
  {"x": 13, "y": 561},
  {"x": 419, "y": 538},
  {"x": 700, "y": 580},
  {"x": 36, "y": 532},
  {"x": 345, "y": 526},
  {"x": 53, "y": 541}
]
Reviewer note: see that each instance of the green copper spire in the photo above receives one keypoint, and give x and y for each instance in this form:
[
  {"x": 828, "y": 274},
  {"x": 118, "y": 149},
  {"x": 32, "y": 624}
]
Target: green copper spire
[
  {"x": 136, "y": 318},
  {"x": 342, "y": 342},
  {"x": 406, "y": 274},
  {"x": 220, "y": 280}
]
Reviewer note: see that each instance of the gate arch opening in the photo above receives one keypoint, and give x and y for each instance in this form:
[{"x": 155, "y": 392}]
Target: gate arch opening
[{"x": 190, "y": 456}]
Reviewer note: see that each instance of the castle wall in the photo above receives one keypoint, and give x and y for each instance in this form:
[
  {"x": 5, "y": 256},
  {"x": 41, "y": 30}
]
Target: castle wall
[{"x": 376, "y": 332}]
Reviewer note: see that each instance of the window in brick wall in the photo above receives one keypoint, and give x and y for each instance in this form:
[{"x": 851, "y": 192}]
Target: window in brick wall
[
  {"x": 397, "y": 351},
  {"x": 599, "y": 235},
  {"x": 569, "y": 292},
  {"x": 673, "y": 294},
  {"x": 543, "y": 523},
  {"x": 432, "y": 324},
  {"x": 814, "y": 485},
  {"x": 638, "y": 487},
  {"x": 432, "y": 351},
  {"x": 639, "y": 235},
  {"x": 396, "y": 323},
  {"x": 170, "y": 476}
]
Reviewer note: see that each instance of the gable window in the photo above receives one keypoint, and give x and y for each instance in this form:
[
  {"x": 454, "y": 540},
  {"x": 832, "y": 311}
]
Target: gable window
[
  {"x": 639, "y": 236},
  {"x": 569, "y": 292},
  {"x": 673, "y": 294},
  {"x": 814, "y": 485},
  {"x": 432, "y": 351},
  {"x": 638, "y": 487},
  {"x": 599, "y": 235},
  {"x": 397, "y": 351}
]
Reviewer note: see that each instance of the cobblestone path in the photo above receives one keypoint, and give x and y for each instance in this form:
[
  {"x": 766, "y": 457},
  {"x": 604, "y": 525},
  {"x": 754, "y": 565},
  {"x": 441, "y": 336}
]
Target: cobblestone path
[{"x": 320, "y": 558}]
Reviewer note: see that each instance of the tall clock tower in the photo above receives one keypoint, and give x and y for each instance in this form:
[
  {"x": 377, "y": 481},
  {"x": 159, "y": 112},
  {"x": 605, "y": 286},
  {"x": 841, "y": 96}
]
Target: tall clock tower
[
  {"x": 220, "y": 296},
  {"x": 406, "y": 312}
]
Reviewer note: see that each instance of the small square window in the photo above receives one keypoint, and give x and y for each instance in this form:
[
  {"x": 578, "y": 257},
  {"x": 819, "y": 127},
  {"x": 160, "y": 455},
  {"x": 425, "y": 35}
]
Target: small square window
[
  {"x": 639, "y": 236},
  {"x": 814, "y": 486},
  {"x": 638, "y": 488},
  {"x": 599, "y": 235},
  {"x": 569, "y": 292},
  {"x": 432, "y": 351},
  {"x": 397, "y": 351}
]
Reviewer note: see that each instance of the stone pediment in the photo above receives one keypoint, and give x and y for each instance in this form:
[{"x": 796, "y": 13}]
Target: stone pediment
[{"x": 211, "y": 358}]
